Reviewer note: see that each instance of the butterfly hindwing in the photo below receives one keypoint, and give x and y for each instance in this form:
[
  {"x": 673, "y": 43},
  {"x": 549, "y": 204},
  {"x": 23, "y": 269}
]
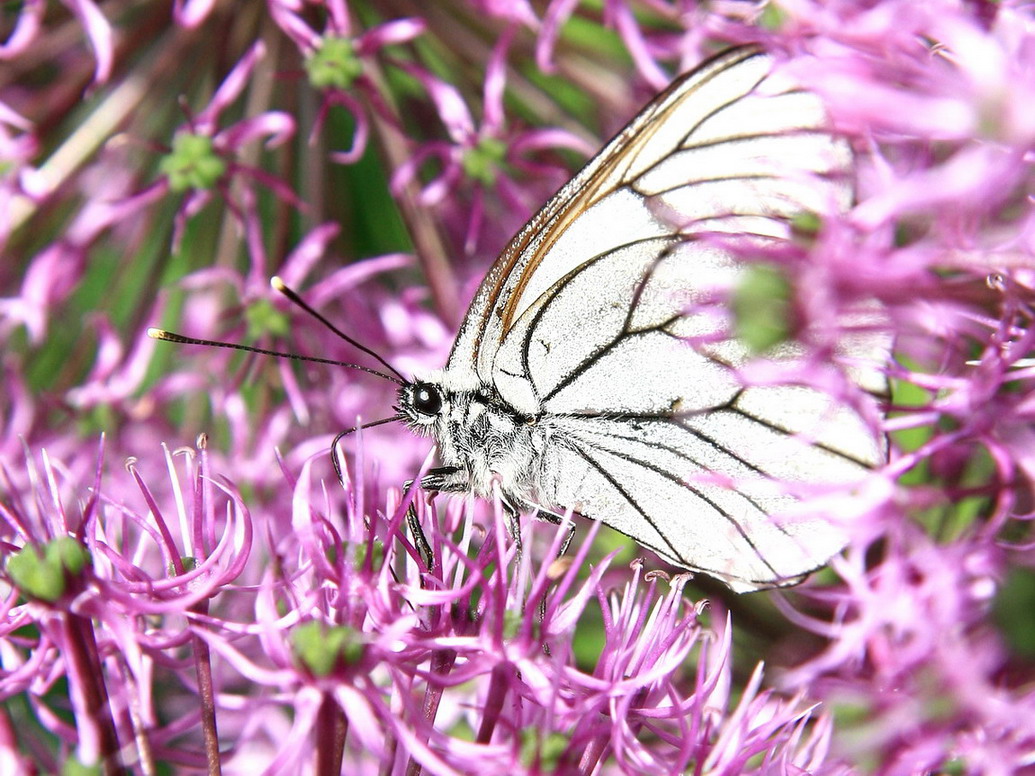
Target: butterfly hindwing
[{"x": 660, "y": 439}]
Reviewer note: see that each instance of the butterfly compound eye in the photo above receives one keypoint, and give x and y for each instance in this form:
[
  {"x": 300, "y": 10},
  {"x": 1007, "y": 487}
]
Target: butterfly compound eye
[{"x": 427, "y": 399}]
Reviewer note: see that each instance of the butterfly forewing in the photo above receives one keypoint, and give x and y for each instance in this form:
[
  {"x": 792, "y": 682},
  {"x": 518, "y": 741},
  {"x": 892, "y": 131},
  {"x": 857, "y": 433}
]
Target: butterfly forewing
[{"x": 600, "y": 323}]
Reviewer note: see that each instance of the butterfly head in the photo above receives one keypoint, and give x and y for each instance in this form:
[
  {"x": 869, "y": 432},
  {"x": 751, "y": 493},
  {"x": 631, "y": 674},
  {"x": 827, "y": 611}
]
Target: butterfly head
[{"x": 421, "y": 405}]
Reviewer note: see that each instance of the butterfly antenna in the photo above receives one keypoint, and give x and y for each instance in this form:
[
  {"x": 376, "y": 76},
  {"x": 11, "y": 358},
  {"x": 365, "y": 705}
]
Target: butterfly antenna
[
  {"x": 168, "y": 336},
  {"x": 280, "y": 286},
  {"x": 341, "y": 434}
]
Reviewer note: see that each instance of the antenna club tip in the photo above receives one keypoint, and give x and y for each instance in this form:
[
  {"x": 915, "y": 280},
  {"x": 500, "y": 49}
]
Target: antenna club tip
[
  {"x": 278, "y": 284},
  {"x": 157, "y": 334}
]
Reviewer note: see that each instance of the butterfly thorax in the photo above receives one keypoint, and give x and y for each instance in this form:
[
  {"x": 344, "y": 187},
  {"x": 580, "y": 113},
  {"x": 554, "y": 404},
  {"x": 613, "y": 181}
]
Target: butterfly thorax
[{"x": 479, "y": 435}]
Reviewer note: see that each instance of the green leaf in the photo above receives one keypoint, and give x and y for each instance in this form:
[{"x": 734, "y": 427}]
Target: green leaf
[{"x": 1014, "y": 612}]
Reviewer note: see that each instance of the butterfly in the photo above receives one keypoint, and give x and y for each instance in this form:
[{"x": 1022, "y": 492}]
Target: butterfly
[{"x": 594, "y": 372}]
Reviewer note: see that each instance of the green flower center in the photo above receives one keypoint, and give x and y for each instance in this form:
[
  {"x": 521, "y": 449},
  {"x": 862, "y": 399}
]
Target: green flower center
[
  {"x": 193, "y": 163},
  {"x": 334, "y": 65},
  {"x": 321, "y": 649},
  {"x": 482, "y": 162},
  {"x": 263, "y": 318}
]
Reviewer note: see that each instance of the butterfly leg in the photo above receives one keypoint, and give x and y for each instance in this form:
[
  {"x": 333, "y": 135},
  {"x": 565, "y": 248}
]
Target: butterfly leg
[
  {"x": 550, "y": 517},
  {"x": 436, "y": 480},
  {"x": 513, "y": 518}
]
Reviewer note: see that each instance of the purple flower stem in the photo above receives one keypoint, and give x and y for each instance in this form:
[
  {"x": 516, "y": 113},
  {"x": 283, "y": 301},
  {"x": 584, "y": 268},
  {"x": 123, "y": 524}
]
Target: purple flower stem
[
  {"x": 86, "y": 671},
  {"x": 592, "y": 753},
  {"x": 497, "y": 694},
  {"x": 441, "y": 663},
  {"x": 391, "y": 747},
  {"x": 146, "y": 763},
  {"x": 206, "y": 693},
  {"x": 331, "y": 729}
]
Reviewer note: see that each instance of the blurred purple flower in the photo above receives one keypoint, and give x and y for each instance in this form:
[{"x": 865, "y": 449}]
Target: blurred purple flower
[
  {"x": 54, "y": 273},
  {"x": 202, "y": 155},
  {"x": 484, "y": 154},
  {"x": 914, "y": 673},
  {"x": 18, "y": 147},
  {"x": 26, "y": 29},
  {"x": 335, "y": 61}
]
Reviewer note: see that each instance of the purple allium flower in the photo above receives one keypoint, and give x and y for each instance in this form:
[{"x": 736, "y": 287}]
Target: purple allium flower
[
  {"x": 202, "y": 156},
  {"x": 167, "y": 605},
  {"x": 336, "y": 59},
  {"x": 478, "y": 156},
  {"x": 26, "y": 32},
  {"x": 90, "y": 578}
]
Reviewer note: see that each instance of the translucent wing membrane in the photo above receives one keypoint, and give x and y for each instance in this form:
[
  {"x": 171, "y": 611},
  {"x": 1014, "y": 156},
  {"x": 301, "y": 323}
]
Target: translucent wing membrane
[{"x": 600, "y": 322}]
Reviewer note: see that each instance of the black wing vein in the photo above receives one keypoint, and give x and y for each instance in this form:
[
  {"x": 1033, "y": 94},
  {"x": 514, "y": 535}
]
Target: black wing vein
[
  {"x": 578, "y": 447},
  {"x": 666, "y": 241},
  {"x": 789, "y": 433},
  {"x": 691, "y": 459}
]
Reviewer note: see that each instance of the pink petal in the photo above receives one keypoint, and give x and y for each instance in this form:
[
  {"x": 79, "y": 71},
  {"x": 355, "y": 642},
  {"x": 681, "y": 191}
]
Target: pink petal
[
  {"x": 191, "y": 13},
  {"x": 557, "y": 13},
  {"x": 285, "y": 17},
  {"x": 229, "y": 90},
  {"x": 25, "y": 30},
  {"x": 537, "y": 139},
  {"x": 495, "y": 83},
  {"x": 307, "y": 253},
  {"x": 632, "y": 36},
  {"x": 452, "y": 109},
  {"x": 278, "y": 127},
  {"x": 360, "y": 138},
  {"x": 339, "y": 21},
  {"x": 388, "y": 34},
  {"x": 409, "y": 170},
  {"x": 99, "y": 33}
]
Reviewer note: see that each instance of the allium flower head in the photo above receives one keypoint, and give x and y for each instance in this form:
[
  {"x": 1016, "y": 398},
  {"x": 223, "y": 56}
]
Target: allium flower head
[
  {"x": 200, "y": 592},
  {"x": 479, "y": 156}
]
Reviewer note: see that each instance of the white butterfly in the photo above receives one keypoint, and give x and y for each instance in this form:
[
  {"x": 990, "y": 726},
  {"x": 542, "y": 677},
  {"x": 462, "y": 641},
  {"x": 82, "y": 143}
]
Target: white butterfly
[
  {"x": 573, "y": 380},
  {"x": 591, "y": 372}
]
